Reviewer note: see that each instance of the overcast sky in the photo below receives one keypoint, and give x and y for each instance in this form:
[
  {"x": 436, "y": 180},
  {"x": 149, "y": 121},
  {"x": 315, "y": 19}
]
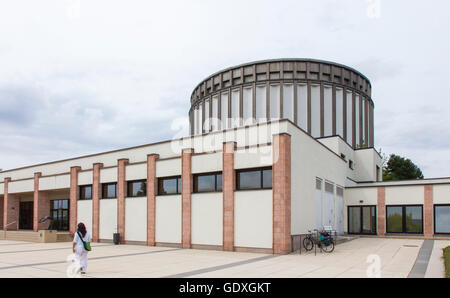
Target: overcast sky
[{"x": 80, "y": 77}]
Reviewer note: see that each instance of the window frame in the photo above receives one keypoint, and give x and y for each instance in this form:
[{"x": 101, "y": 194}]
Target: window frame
[
  {"x": 103, "y": 190},
  {"x": 261, "y": 170},
  {"x": 59, "y": 223},
  {"x": 404, "y": 219},
  {"x": 178, "y": 192},
  {"x": 434, "y": 218},
  {"x": 80, "y": 187},
  {"x": 130, "y": 189},
  {"x": 361, "y": 219},
  {"x": 195, "y": 181}
]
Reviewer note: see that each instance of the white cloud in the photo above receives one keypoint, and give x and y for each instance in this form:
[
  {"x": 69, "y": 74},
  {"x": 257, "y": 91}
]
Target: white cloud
[{"x": 113, "y": 73}]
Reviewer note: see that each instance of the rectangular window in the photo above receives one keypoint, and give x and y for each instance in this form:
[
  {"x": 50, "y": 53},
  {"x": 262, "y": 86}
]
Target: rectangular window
[
  {"x": 274, "y": 101},
  {"x": 59, "y": 211},
  {"x": 442, "y": 219},
  {"x": 362, "y": 220},
  {"x": 288, "y": 101},
  {"x": 200, "y": 120},
  {"x": 109, "y": 190},
  {"x": 137, "y": 189},
  {"x": 357, "y": 121},
  {"x": 404, "y": 219},
  {"x": 247, "y": 103},
  {"x": 86, "y": 192},
  {"x": 169, "y": 186},
  {"x": 224, "y": 110},
  {"x": 261, "y": 103},
  {"x": 207, "y": 123},
  {"x": 328, "y": 110},
  {"x": 302, "y": 106},
  {"x": 215, "y": 113},
  {"x": 349, "y": 102},
  {"x": 235, "y": 107},
  {"x": 339, "y": 112},
  {"x": 315, "y": 111},
  {"x": 254, "y": 179},
  {"x": 208, "y": 182}
]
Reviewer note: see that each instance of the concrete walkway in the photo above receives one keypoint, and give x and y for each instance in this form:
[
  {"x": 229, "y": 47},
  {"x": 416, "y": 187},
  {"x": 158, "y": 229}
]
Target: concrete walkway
[
  {"x": 436, "y": 267},
  {"x": 356, "y": 258}
]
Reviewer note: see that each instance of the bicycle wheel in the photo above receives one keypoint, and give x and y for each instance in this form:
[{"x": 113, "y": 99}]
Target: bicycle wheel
[
  {"x": 328, "y": 248},
  {"x": 308, "y": 244}
]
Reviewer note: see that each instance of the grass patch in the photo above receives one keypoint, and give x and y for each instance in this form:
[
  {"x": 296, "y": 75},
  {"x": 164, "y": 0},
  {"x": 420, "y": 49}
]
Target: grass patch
[{"x": 447, "y": 261}]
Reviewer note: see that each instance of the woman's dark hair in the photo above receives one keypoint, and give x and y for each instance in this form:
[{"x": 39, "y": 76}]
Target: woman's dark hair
[{"x": 82, "y": 229}]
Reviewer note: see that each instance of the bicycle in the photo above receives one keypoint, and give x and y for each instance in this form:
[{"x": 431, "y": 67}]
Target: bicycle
[{"x": 323, "y": 240}]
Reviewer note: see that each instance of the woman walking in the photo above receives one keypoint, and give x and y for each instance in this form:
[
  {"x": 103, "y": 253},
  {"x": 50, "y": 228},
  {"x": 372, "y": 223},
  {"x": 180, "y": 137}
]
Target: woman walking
[{"x": 79, "y": 249}]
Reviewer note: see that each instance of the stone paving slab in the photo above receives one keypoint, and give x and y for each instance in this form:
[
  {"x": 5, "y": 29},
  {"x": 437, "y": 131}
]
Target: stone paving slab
[{"x": 397, "y": 257}]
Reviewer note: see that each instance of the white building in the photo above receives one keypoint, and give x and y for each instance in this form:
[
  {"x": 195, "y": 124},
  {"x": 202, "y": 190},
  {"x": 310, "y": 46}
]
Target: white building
[{"x": 277, "y": 148}]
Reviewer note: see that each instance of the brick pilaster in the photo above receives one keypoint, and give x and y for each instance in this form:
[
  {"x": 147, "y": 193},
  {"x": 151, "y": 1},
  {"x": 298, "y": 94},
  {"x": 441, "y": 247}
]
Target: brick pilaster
[
  {"x": 281, "y": 193},
  {"x": 428, "y": 211},
  {"x": 41, "y": 205},
  {"x": 228, "y": 186},
  {"x": 36, "y": 202},
  {"x": 186, "y": 192},
  {"x": 74, "y": 194},
  {"x": 381, "y": 211},
  {"x": 121, "y": 195},
  {"x": 96, "y": 196},
  {"x": 10, "y": 208},
  {"x": 152, "y": 188},
  {"x": 1, "y": 213}
]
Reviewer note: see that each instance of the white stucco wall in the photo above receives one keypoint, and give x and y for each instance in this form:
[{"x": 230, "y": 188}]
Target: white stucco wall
[
  {"x": 136, "y": 172},
  {"x": 136, "y": 219},
  {"x": 84, "y": 214},
  {"x": 310, "y": 160},
  {"x": 441, "y": 194},
  {"x": 207, "y": 219},
  {"x": 405, "y": 195},
  {"x": 253, "y": 219},
  {"x": 207, "y": 163},
  {"x": 21, "y": 186},
  {"x": 108, "y": 218},
  {"x": 167, "y": 168},
  {"x": 168, "y": 219},
  {"x": 108, "y": 175},
  {"x": 85, "y": 178},
  {"x": 353, "y": 195},
  {"x": 54, "y": 182},
  {"x": 253, "y": 157}
]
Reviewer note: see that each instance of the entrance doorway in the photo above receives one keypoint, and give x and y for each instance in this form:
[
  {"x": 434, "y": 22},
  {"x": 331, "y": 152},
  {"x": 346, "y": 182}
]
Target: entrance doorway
[
  {"x": 26, "y": 216},
  {"x": 362, "y": 220}
]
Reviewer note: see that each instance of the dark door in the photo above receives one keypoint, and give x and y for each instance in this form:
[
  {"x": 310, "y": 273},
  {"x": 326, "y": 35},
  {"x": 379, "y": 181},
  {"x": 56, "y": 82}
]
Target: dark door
[
  {"x": 26, "y": 216},
  {"x": 362, "y": 220}
]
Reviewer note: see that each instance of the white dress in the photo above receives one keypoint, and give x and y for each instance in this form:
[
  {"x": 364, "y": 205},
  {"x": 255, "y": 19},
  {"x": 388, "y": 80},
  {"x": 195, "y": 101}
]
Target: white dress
[{"x": 80, "y": 253}]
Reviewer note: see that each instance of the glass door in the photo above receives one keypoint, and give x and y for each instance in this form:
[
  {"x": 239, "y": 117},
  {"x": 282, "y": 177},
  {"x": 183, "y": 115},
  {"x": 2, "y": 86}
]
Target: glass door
[
  {"x": 362, "y": 220},
  {"x": 60, "y": 213}
]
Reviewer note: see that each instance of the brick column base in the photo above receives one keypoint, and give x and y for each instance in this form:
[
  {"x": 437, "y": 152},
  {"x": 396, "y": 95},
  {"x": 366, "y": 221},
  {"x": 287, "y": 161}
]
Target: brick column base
[
  {"x": 74, "y": 194},
  {"x": 381, "y": 211},
  {"x": 96, "y": 196},
  {"x": 281, "y": 193},
  {"x": 121, "y": 195},
  {"x": 152, "y": 189},
  {"x": 186, "y": 192},
  {"x": 228, "y": 186},
  {"x": 428, "y": 225}
]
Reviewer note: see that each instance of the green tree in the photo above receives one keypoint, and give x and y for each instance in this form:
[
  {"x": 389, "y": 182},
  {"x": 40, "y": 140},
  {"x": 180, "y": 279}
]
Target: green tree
[{"x": 400, "y": 168}]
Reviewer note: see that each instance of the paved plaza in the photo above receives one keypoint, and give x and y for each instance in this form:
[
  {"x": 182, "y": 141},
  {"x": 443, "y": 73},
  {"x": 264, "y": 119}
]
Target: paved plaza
[{"x": 355, "y": 258}]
